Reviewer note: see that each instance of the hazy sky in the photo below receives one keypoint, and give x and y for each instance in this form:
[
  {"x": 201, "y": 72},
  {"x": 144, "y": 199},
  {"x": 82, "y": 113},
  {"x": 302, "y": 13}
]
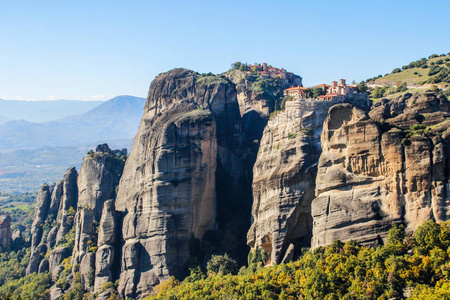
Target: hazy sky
[{"x": 95, "y": 50}]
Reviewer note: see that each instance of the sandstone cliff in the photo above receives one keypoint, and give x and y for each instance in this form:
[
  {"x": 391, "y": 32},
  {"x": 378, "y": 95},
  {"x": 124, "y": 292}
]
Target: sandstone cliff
[
  {"x": 391, "y": 166},
  {"x": 190, "y": 130},
  {"x": 284, "y": 180}
]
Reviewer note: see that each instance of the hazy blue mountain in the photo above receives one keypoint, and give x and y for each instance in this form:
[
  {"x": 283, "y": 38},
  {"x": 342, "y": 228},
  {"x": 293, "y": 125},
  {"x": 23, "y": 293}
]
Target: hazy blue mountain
[
  {"x": 116, "y": 119},
  {"x": 42, "y": 111},
  {"x": 4, "y": 119}
]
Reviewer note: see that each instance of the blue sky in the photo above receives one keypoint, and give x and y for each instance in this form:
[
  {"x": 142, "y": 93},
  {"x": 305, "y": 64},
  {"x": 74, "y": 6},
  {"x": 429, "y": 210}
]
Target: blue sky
[{"x": 95, "y": 50}]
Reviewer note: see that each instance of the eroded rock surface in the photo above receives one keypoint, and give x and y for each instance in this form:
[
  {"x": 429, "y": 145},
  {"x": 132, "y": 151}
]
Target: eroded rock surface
[
  {"x": 53, "y": 217},
  {"x": 68, "y": 203},
  {"x": 97, "y": 181},
  {"x": 373, "y": 173},
  {"x": 191, "y": 124},
  {"x": 258, "y": 96},
  {"x": 105, "y": 255},
  {"x": 284, "y": 179}
]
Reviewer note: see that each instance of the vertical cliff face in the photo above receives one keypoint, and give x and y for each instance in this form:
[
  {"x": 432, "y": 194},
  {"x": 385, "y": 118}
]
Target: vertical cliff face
[
  {"x": 373, "y": 170},
  {"x": 68, "y": 201},
  {"x": 284, "y": 180},
  {"x": 190, "y": 129},
  {"x": 98, "y": 178},
  {"x": 348, "y": 185},
  {"x": 99, "y": 175},
  {"x": 106, "y": 254},
  {"x": 371, "y": 174}
]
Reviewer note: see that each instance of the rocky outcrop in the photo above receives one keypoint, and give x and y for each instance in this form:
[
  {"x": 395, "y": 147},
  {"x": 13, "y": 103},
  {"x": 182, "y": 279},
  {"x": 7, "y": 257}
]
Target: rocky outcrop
[
  {"x": 53, "y": 217},
  {"x": 284, "y": 180},
  {"x": 67, "y": 221},
  {"x": 68, "y": 203},
  {"x": 40, "y": 214},
  {"x": 258, "y": 96},
  {"x": 411, "y": 109},
  {"x": 57, "y": 256},
  {"x": 99, "y": 175},
  {"x": 107, "y": 238},
  {"x": 390, "y": 167},
  {"x": 323, "y": 172},
  {"x": 191, "y": 127},
  {"x": 98, "y": 178}
]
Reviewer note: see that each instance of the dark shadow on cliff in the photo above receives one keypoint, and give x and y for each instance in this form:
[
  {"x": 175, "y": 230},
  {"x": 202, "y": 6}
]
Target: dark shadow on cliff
[
  {"x": 234, "y": 201},
  {"x": 254, "y": 125}
]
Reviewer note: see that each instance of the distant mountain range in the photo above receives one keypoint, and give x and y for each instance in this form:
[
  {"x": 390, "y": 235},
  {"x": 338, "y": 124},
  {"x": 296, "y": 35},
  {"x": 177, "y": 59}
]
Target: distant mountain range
[
  {"x": 116, "y": 119},
  {"x": 4, "y": 119},
  {"x": 43, "y": 111}
]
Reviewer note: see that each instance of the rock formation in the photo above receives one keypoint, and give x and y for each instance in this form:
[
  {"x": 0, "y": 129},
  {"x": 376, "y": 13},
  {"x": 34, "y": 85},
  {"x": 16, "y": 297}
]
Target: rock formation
[
  {"x": 373, "y": 173},
  {"x": 71, "y": 216},
  {"x": 284, "y": 179},
  {"x": 106, "y": 252},
  {"x": 53, "y": 218},
  {"x": 322, "y": 172},
  {"x": 259, "y": 95},
  {"x": 68, "y": 203},
  {"x": 191, "y": 128},
  {"x": 99, "y": 175}
]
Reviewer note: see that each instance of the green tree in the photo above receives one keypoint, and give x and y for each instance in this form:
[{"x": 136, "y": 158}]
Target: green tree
[
  {"x": 378, "y": 92},
  {"x": 236, "y": 65},
  {"x": 362, "y": 87},
  {"x": 221, "y": 264},
  {"x": 395, "y": 240},
  {"x": 318, "y": 91},
  {"x": 427, "y": 237}
]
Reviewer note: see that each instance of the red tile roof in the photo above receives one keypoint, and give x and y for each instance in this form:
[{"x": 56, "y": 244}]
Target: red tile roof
[
  {"x": 321, "y": 85},
  {"x": 329, "y": 95},
  {"x": 293, "y": 88}
]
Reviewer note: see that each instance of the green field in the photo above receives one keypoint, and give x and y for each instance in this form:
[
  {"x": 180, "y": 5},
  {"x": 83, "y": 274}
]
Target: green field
[{"x": 16, "y": 205}]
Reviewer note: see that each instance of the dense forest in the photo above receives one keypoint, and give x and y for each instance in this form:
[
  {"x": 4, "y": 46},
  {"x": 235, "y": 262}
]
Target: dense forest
[{"x": 413, "y": 267}]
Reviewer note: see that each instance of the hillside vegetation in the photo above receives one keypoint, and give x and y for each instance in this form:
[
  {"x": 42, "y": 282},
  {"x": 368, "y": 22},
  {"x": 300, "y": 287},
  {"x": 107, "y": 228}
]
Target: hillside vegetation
[
  {"x": 434, "y": 70},
  {"x": 413, "y": 267},
  {"x": 432, "y": 73}
]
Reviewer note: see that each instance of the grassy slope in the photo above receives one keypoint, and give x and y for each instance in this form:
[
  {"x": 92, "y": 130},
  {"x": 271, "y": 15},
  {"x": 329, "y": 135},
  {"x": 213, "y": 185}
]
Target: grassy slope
[{"x": 410, "y": 78}]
